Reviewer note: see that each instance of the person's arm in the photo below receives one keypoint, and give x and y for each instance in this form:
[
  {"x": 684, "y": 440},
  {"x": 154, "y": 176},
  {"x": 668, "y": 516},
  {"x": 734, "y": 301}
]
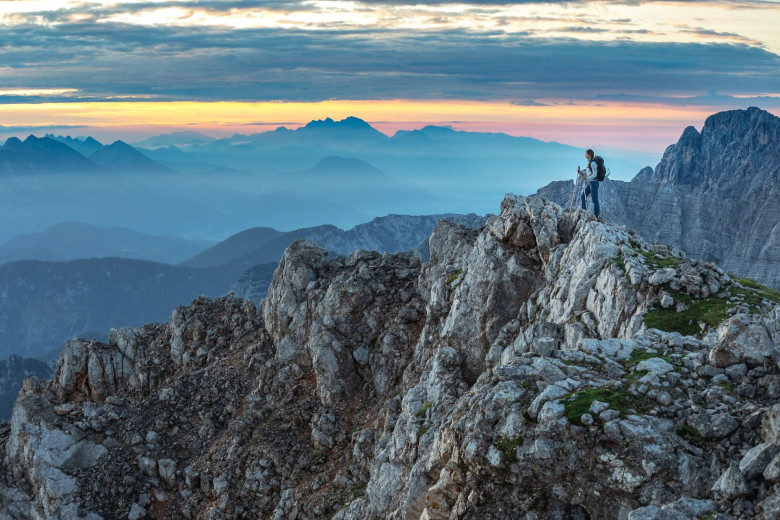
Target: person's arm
[{"x": 591, "y": 171}]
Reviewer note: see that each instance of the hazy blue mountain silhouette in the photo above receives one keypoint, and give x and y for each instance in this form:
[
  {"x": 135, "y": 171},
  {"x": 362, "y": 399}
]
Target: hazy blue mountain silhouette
[
  {"x": 283, "y": 179},
  {"x": 37, "y": 155},
  {"x": 74, "y": 240},
  {"x": 468, "y": 170},
  {"x": 185, "y": 137},
  {"x": 356, "y": 183},
  {"x": 122, "y": 157},
  {"x": 42, "y": 304},
  {"x": 262, "y": 245},
  {"x": 233, "y": 247},
  {"x": 86, "y": 146}
]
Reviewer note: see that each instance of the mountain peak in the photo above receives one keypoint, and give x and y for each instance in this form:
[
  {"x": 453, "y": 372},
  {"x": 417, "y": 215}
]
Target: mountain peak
[
  {"x": 734, "y": 147},
  {"x": 12, "y": 143},
  {"x": 347, "y": 122},
  {"x": 321, "y": 123},
  {"x": 120, "y": 156},
  {"x": 121, "y": 145},
  {"x": 354, "y": 122}
]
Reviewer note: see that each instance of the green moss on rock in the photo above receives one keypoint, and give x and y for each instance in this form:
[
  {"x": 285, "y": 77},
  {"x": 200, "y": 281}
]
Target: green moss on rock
[
  {"x": 580, "y": 401},
  {"x": 508, "y": 446}
]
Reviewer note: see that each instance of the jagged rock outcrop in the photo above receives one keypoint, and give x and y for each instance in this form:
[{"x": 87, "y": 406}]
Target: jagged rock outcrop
[
  {"x": 12, "y": 372},
  {"x": 513, "y": 375},
  {"x": 392, "y": 233},
  {"x": 715, "y": 195}
]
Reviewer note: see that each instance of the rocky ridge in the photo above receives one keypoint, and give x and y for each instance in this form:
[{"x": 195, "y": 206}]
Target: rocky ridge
[
  {"x": 715, "y": 195},
  {"x": 512, "y": 375}
]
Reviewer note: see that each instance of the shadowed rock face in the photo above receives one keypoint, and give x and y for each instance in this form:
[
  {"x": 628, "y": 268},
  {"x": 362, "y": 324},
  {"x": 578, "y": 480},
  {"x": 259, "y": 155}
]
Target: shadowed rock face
[
  {"x": 512, "y": 375},
  {"x": 715, "y": 195}
]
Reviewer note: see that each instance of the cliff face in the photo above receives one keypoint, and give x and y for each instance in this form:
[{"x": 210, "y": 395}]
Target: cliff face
[
  {"x": 715, "y": 195},
  {"x": 513, "y": 375}
]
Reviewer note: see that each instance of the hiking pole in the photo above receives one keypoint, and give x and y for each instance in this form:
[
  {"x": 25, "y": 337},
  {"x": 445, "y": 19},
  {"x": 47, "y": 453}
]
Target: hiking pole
[{"x": 574, "y": 190}]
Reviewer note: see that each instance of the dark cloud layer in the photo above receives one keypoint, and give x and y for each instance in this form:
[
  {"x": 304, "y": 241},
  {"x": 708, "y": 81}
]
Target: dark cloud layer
[{"x": 206, "y": 63}]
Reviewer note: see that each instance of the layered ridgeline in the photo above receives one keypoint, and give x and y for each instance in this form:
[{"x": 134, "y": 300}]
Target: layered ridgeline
[
  {"x": 512, "y": 375},
  {"x": 43, "y": 304},
  {"x": 715, "y": 194}
]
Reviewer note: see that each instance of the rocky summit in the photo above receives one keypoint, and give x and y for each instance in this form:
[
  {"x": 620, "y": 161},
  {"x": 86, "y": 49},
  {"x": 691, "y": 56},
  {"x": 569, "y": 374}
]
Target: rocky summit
[
  {"x": 715, "y": 194},
  {"x": 545, "y": 365}
]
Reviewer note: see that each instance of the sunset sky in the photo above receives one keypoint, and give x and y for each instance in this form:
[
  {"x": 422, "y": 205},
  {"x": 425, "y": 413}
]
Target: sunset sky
[{"x": 631, "y": 74}]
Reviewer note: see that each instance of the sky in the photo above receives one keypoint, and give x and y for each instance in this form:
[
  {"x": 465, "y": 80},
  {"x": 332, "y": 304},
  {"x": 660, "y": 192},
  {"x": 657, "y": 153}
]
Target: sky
[{"x": 630, "y": 73}]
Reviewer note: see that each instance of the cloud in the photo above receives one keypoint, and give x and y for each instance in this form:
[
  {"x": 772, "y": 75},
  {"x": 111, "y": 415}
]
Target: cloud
[
  {"x": 209, "y": 64},
  {"x": 110, "y": 60},
  {"x": 529, "y": 103},
  {"x": 40, "y": 128},
  {"x": 709, "y": 99}
]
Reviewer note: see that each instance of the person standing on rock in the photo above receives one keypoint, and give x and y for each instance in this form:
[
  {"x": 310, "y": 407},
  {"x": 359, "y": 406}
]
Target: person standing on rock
[{"x": 591, "y": 176}]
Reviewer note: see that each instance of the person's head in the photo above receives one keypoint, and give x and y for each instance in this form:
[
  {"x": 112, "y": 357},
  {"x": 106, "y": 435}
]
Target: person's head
[{"x": 589, "y": 154}]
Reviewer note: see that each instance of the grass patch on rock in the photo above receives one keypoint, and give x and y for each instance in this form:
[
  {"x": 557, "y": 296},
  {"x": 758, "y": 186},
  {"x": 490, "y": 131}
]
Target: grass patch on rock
[
  {"x": 657, "y": 260},
  {"x": 421, "y": 412},
  {"x": 620, "y": 262},
  {"x": 690, "y": 434},
  {"x": 454, "y": 276},
  {"x": 711, "y": 311},
  {"x": 768, "y": 292},
  {"x": 580, "y": 401},
  {"x": 508, "y": 446},
  {"x": 639, "y": 354},
  {"x": 637, "y": 374}
]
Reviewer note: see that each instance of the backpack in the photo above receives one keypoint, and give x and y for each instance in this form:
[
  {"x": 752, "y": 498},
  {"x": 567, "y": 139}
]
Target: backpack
[{"x": 600, "y": 170}]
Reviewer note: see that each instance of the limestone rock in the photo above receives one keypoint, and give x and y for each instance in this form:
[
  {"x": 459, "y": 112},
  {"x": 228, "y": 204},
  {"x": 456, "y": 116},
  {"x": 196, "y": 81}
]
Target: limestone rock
[
  {"x": 510, "y": 374},
  {"x": 731, "y": 484}
]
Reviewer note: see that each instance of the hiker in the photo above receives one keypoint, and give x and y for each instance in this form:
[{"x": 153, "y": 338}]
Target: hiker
[{"x": 592, "y": 174}]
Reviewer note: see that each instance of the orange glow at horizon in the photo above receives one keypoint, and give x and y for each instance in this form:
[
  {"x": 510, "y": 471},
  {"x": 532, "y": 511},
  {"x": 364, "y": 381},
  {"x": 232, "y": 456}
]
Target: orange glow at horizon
[{"x": 647, "y": 127}]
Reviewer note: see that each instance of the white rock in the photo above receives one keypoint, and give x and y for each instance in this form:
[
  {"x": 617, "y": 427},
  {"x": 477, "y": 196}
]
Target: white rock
[
  {"x": 655, "y": 365},
  {"x": 731, "y": 484},
  {"x": 662, "y": 276},
  {"x": 756, "y": 459}
]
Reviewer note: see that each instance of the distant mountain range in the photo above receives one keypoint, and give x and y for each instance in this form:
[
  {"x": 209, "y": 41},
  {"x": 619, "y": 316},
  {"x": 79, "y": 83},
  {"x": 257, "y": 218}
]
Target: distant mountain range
[
  {"x": 468, "y": 169},
  {"x": 343, "y": 172},
  {"x": 124, "y": 158},
  {"x": 715, "y": 194},
  {"x": 43, "y": 155},
  {"x": 173, "y": 139},
  {"x": 75, "y": 240},
  {"x": 42, "y": 304},
  {"x": 261, "y": 245}
]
